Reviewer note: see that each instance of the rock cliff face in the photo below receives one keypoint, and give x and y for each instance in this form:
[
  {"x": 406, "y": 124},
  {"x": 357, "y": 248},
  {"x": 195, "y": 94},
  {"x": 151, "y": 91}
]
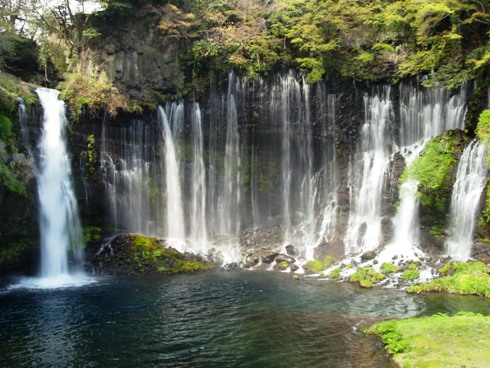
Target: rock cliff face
[
  {"x": 18, "y": 226},
  {"x": 334, "y": 145},
  {"x": 134, "y": 54}
]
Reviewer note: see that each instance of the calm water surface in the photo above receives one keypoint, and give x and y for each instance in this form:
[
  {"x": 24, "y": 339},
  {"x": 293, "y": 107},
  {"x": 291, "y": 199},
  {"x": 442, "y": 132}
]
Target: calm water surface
[{"x": 244, "y": 319}]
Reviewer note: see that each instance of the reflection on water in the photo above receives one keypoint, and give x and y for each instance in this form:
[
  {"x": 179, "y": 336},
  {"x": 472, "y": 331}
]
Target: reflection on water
[{"x": 210, "y": 320}]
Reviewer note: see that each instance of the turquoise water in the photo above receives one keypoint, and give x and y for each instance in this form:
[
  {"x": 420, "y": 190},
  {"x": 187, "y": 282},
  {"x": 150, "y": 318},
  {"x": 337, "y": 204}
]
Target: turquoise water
[{"x": 241, "y": 319}]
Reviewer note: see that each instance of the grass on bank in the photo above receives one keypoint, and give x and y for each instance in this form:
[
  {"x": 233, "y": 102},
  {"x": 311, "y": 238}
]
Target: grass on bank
[
  {"x": 462, "y": 340},
  {"x": 466, "y": 278}
]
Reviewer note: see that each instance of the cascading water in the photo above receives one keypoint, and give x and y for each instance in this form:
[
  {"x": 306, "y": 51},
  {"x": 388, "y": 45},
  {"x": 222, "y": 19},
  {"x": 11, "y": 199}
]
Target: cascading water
[
  {"x": 175, "y": 213},
  {"x": 423, "y": 114},
  {"x": 470, "y": 182},
  {"x": 262, "y": 156},
  {"x": 364, "y": 227},
  {"x": 58, "y": 213},
  {"x": 230, "y": 199},
  {"x": 215, "y": 179},
  {"x": 198, "y": 230}
]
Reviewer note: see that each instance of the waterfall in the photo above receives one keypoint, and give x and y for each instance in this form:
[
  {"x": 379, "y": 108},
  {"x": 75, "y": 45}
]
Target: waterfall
[
  {"x": 328, "y": 187},
  {"x": 24, "y": 132},
  {"x": 175, "y": 212},
  {"x": 470, "y": 182},
  {"x": 364, "y": 226},
  {"x": 58, "y": 213},
  {"x": 405, "y": 242},
  {"x": 198, "y": 229},
  {"x": 230, "y": 200},
  {"x": 423, "y": 115}
]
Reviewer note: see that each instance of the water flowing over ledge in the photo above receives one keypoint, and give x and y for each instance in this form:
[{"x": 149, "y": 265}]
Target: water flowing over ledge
[{"x": 267, "y": 155}]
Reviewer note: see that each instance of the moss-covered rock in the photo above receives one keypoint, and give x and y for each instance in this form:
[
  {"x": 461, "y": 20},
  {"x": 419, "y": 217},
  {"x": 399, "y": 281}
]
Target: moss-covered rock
[
  {"x": 18, "y": 228},
  {"x": 317, "y": 266},
  {"x": 366, "y": 277},
  {"x": 128, "y": 254},
  {"x": 434, "y": 170}
]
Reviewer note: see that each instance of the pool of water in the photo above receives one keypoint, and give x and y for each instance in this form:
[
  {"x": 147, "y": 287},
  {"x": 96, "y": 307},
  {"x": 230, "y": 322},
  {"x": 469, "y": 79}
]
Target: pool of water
[{"x": 243, "y": 319}]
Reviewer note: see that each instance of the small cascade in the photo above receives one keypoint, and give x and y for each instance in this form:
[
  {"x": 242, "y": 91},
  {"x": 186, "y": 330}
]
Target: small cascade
[
  {"x": 175, "y": 213},
  {"x": 109, "y": 173},
  {"x": 470, "y": 182},
  {"x": 61, "y": 235},
  {"x": 198, "y": 230},
  {"x": 24, "y": 131},
  {"x": 328, "y": 174},
  {"x": 230, "y": 199},
  {"x": 405, "y": 242},
  {"x": 364, "y": 226},
  {"x": 301, "y": 183},
  {"x": 423, "y": 114}
]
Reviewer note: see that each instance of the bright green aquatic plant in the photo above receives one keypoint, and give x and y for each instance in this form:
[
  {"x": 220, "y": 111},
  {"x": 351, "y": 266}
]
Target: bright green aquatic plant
[
  {"x": 459, "y": 278},
  {"x": 317, "y": 266}
]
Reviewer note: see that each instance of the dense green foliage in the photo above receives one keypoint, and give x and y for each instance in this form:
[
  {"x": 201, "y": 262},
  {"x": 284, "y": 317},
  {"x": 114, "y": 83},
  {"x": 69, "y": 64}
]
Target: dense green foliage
[
  {"x": 459, "y": 278},
  {"x": 437, "y": 341},
  {"x": 364, "y": 40},
  {"x": 355, "y": 38}
]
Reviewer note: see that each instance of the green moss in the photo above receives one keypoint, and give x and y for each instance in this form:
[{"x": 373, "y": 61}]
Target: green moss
[
  {"x": 91, "y": 233},
  {"x": 432, "y": 170},
  {"x": 438, "y": 340},
  {"x": 366, "y": 277},
  {"x": 483, "y": 127},
  {"x": 317, "y": 266},
  {"x": 335, "y": 274},
  {"x": 467, "y": 278},
  {"x": 387, "y": 268},
  {"x": 14, "y": 251},
  {"x": 149, "y": 254},
  {"x": 10, "y": 180},
  {"x": 283, "y": 265},
  {"x": 5, "y": 127},
  {"x": 410, "y": 275}
]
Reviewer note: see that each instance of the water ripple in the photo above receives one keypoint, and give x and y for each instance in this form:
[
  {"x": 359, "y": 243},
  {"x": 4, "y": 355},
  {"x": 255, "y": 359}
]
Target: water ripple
[{"x": 210, "y": 320}]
